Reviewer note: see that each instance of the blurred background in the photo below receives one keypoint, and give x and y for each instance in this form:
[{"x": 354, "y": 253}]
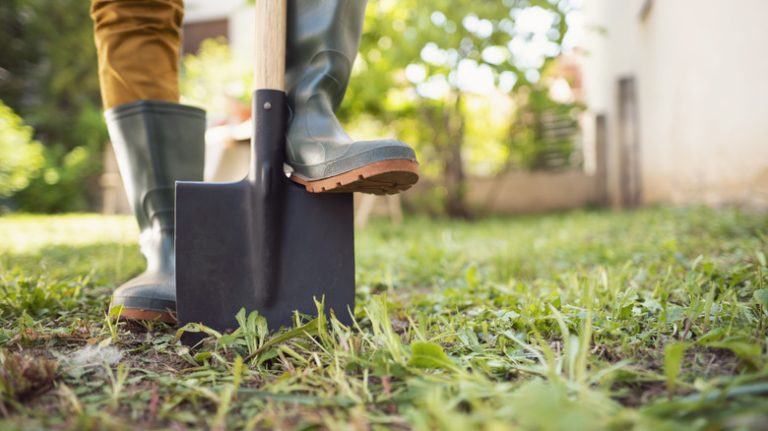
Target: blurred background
[{"x": 514, "y": 106}]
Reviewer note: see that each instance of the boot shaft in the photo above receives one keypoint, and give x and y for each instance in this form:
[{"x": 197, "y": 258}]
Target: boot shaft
[
  {"x": 156, "y": 143},
  {"x": 322, "y": 42},
  {"x": 323, "y": 37}
]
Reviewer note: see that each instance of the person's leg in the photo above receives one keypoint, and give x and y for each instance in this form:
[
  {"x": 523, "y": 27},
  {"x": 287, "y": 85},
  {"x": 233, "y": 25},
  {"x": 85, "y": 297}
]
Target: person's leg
[
  {"x": 138, "y": 43},
  {"x": 156, "y": 140},
  {"x": 323, "y": 39}
]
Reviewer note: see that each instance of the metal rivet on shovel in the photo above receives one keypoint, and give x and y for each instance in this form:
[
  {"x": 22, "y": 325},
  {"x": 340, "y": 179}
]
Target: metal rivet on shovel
[{"x": 264, "y": 243}]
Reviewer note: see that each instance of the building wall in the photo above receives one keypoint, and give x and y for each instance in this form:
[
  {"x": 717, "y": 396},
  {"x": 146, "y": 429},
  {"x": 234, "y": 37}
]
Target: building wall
[
  {"x": 702, "y": 81},
  {"x": 531, "y": 192},
  {"x": 238, "y": 14},
  {"x": 206, "y": 10}
]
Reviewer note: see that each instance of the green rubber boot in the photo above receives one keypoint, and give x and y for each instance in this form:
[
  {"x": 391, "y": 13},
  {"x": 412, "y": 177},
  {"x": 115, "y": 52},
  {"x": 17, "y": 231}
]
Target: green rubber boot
[
  {"x": 156, "y": 144},
  {"x": 322, "y": 42}
]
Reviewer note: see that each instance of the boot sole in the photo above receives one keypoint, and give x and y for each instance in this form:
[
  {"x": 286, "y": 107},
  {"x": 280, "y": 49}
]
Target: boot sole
[
  {"x": 137, "y": 314},
  {"x": 381, "y": 178}
]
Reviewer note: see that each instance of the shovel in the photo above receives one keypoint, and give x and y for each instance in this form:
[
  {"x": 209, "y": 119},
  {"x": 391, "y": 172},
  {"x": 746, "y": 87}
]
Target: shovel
[{"x": 263, "y": 243}]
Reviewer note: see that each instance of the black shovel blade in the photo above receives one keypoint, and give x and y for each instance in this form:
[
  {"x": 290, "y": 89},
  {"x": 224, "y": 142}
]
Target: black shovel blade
[
  {"x": 318, "y": 256},
  {"x": 215, "y": 265},
  {"x": 214, "y": 261},
  {"x": 264, "y": 244}
]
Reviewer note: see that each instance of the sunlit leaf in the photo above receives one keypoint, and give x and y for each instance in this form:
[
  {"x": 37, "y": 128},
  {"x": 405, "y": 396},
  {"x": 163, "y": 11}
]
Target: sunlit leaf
[
  {"x": 761, "y": 297},
  {"x": 673, "y": 362},
  {"x": 429, "y": 355}
]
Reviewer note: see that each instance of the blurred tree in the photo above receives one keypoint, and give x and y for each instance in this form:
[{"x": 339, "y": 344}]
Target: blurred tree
[
  {"x": 20, "y": 51},
  {"x": 419, "y": 60},
  {"x": 48, "y": 75}
]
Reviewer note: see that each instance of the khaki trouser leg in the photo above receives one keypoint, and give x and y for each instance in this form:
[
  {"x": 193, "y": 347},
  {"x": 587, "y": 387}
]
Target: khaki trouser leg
[{"x": 138, "y": 43}]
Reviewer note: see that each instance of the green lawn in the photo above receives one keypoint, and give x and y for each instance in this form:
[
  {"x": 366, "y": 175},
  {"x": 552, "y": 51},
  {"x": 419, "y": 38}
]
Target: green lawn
[{"x": 653, "y": 319}]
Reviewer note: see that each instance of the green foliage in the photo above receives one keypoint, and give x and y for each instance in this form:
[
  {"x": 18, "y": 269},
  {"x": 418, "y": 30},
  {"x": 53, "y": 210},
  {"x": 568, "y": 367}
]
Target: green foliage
[
  {"x": 38, "y": 298},
  {"x": 411, "y": 75},
  {"x": 543, "y": 322},
  {"x": 20, "y": 53},
  {"x": 430, "y": 355},
  {"x": 214, "y": 78},
  {"x": 542, "y": 134},
  {"x": 50, "y": 79},
  {"x": 20, "y": 156},
  {"x": 546, "y": 405},
  {"x": 761, "y": 297},
  {"x": 411, "y": 80},
  {"x": 674, "y": 354},
  {"x": 63, "y": 182}
]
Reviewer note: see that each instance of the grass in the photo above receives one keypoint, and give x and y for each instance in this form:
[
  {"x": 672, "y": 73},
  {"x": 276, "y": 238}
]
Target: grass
[{"x": 653, "y": 319}]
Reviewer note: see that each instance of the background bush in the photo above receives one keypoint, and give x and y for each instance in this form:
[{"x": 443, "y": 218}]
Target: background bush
[
  {"x": 21, "y": 157},
  {"x": 48, "y": 76}
]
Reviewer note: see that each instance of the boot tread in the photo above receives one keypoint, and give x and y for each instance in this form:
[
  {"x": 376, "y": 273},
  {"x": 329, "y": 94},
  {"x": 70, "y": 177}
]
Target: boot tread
[{"x": 380, "y": 178}]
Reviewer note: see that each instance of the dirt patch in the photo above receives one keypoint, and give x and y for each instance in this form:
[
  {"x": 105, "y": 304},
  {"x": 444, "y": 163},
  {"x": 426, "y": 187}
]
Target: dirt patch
[{"x": 24, "y": 375}]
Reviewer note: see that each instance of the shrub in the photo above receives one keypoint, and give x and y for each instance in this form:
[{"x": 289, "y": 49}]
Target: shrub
[
  {"x": 49, "y": 78},
  {"x": 21, "y": 157},
  {"x": 65, "y": 182},
  {"x": 214, "y": 78}
]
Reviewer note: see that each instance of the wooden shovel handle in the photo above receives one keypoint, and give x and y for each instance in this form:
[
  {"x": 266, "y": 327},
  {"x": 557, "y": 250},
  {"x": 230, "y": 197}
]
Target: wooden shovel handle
[{"x": 271, "y": 17}]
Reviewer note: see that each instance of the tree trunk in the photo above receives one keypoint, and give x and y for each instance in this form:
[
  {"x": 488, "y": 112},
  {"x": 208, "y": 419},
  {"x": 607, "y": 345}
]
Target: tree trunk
[{"x": 453, "y": 173}]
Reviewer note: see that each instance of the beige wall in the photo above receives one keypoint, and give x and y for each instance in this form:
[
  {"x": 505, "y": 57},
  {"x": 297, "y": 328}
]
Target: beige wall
[
  {"x": 702, "y": 80},
  {"x": 531, "y": 192}
]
